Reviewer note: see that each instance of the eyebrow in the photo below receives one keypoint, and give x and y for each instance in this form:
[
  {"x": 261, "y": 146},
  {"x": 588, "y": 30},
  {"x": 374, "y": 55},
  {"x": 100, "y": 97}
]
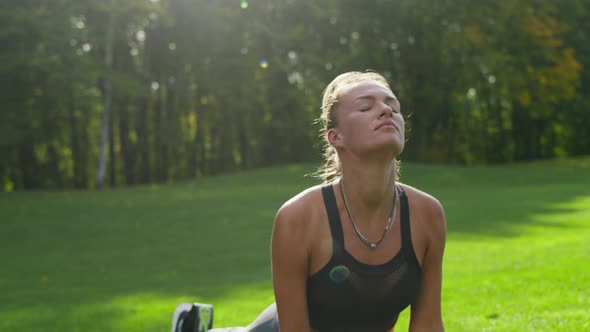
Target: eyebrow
[{"x": 388, "y": 98}]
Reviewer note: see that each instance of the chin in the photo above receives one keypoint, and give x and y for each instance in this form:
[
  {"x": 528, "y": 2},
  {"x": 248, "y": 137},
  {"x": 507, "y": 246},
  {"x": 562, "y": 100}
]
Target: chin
[
  {"x": 393, "y": 147},
  {"x": 397, "y": 150}
]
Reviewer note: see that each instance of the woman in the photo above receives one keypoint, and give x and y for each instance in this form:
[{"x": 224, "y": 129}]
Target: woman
[
  {"x": 343, "y": 257},
  {"x": 351, "y": 254}
]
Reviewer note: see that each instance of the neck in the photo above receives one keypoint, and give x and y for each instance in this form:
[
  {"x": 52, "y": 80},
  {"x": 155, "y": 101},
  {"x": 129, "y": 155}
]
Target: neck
[{"x": 369, "y": 185}]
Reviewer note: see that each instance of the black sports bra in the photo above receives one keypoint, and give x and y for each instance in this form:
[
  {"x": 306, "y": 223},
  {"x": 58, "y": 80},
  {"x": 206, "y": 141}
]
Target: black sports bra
[{"x": 348, "y": 295}]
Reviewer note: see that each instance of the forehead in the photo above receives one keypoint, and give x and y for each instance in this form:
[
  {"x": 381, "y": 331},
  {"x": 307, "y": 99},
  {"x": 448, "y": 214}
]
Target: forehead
[{"x": 367, "y": 89}]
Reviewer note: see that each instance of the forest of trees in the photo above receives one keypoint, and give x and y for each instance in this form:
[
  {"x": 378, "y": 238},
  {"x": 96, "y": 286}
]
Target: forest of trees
[{"x": 124, "y": 92}]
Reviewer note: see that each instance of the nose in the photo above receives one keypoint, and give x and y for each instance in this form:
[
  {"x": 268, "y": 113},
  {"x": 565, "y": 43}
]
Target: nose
[{"x": 386, "y": 110}]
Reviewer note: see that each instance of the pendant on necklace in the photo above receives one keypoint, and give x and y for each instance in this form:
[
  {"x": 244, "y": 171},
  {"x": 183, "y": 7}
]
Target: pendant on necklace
[{"x": 373, "y": 245}]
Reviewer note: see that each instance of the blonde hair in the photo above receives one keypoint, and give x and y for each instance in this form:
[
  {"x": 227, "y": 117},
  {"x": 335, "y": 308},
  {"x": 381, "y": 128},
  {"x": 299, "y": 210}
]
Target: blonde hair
[{"x": 332, "y": 167}]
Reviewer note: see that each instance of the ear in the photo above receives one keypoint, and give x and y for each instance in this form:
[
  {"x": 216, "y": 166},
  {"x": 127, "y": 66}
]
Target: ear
[{"x": 334, "y": 137}]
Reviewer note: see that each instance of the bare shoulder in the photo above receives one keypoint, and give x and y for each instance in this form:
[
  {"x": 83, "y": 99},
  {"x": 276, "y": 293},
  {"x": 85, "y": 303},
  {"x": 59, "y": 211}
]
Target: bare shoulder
[
  {"x": 425, "y": 201},
  {"x": 293, "y": 234},
  {"x": 297, "y": 213},
  {"x": 430, "y": 211}
]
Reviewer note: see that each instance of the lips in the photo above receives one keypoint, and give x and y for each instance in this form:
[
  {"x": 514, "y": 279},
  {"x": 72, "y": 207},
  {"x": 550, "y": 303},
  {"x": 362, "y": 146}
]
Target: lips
[{"x": 387, "y": 123}]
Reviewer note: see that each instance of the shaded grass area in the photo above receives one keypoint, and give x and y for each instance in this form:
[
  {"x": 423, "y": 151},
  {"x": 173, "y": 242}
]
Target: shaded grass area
[{"x": 120, "y": 260}]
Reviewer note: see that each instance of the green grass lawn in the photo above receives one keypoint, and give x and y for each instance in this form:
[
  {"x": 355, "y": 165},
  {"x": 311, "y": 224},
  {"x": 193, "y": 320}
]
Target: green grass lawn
[{"x": 517, "y": 255}]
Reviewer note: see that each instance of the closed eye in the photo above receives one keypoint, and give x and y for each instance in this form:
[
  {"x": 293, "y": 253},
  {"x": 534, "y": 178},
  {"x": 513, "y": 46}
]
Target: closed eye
[{"x": 395, "y": 109}]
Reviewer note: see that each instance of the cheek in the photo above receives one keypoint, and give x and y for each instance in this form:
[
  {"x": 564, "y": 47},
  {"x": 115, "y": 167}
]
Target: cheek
[
  {"x": 401, "y": 123},
  {"x": 349, "y": 127}
]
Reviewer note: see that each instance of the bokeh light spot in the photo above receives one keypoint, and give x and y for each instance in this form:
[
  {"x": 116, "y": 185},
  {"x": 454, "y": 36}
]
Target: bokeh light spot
[
  {"x": 244, "y": 4},
  {"x": 263, "y": 63},
  {"x": 292, "y": 55},
  {"x": 140, "y": 35}
]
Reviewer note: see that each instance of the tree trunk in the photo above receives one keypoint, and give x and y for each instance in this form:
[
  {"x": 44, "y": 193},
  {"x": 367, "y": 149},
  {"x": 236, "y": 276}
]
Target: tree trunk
[
  {"x": 112, "y": 158},
  {"x": 171, "y": 132},
  {"x": 29, "y": 167},
  {"x": 107, "y": 100},
  {"x": 195, "y": 146},
  {"x": 128, "y": 155},
  {"x": 75, "y": 143},
  {"x": 520, "y": 133},
  {"x": 200, "y": 153},
  {"x": 159, "y": 131},
  {"x": 243, "y": 143},
  {"x": 86, "y": 175},
  {"x": 143, "y": 143}
]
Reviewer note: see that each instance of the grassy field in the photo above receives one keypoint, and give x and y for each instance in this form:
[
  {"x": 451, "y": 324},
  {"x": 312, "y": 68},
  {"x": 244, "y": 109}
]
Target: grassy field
[{"x": 517, "y": 254}]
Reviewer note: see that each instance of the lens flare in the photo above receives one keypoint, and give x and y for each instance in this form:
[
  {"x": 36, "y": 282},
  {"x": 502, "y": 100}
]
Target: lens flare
[{"x": 339, "y": 274}]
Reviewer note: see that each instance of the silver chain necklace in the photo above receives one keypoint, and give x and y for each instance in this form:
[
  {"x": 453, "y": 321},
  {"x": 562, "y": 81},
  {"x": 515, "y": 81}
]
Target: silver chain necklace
[{"x": 390, "y": 221}]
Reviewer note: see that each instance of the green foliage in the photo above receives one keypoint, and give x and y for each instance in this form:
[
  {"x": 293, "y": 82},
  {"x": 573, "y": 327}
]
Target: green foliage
[
  {"x": 122, "y": 259},
  {"x": 202, "y": 87}
]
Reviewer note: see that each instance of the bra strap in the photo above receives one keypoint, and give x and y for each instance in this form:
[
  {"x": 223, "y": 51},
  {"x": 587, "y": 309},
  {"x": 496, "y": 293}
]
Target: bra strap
[
  {"x": 405, "y": 223},
  {"x": 333, "y": 218}
]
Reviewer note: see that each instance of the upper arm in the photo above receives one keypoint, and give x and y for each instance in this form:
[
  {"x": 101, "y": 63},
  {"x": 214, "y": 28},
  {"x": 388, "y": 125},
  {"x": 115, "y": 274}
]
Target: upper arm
[
  {"x": 289, "y": 252},
  {"x": 426, "y": 312}
]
